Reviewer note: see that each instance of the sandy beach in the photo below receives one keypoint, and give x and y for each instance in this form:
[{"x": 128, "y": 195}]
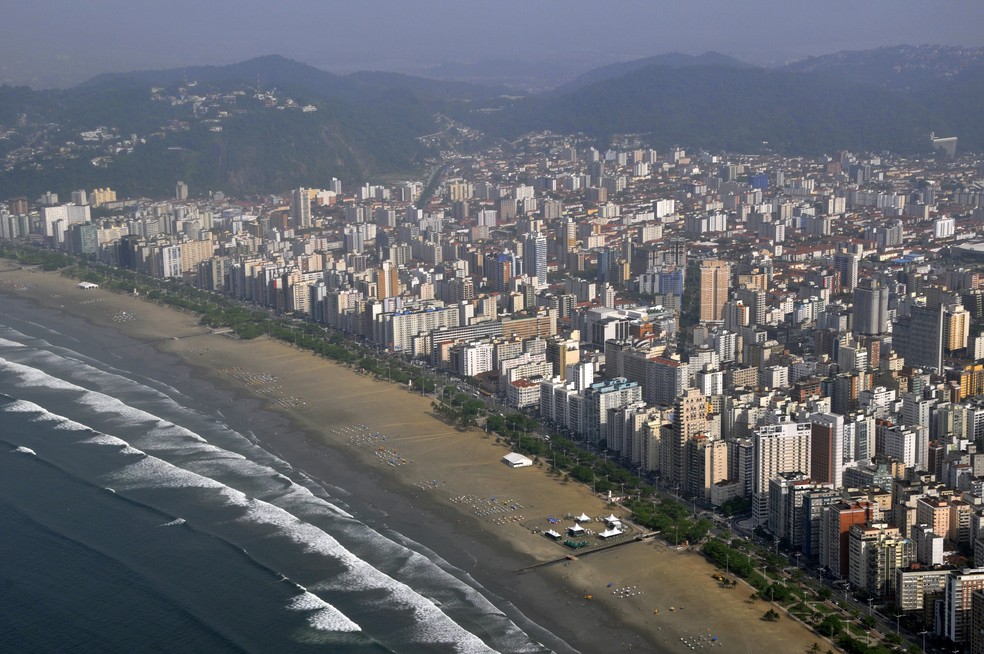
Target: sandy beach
[{"x": 411, "y": 473}]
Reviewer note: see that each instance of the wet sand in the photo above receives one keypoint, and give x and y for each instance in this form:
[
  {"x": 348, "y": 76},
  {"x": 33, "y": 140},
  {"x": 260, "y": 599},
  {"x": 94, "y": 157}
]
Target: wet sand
[{"x": 408, "y": 472}]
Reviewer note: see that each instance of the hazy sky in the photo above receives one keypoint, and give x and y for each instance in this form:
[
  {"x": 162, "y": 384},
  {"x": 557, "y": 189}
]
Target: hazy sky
[{"x": 69, "y": 40}]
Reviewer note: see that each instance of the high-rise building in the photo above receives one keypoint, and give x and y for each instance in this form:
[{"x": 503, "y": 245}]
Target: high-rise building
[
  {"x": 707, "y": 464},
  {"x": 870, "y": 312},
  {"x": 918, "y": 337},
  {"x": 788, "y": 492},
  {"x": 300, "y": 208},
  {"x": 875, "y": 552},
  {"x": 956, "y": 328},
  {"x": 566, "y": 236},
  {"x": 80, "y": 197},
  {"x": 387, "y": 280},
  {"x": 977, "y": 622},
  {"x": 780, "y": 447},
  {"x": 815, "y": 502},
  {"x": 535, "y": 258},
  {"x": 753, "y": 299},
  {"x": 715, "y": 279},
  {"x": 827, "y": 449},
  {"x": 835, "y": 527},
  {"x": 500, "y": 272},
  {"x": 846, "y": 268},
  {"x": 689, "y": 420},
  {"x": 180, "y": 191},
  {"x": 17, "y": 205},
  {"x": 563, "y": 352},
  {"x": 601, "y": 398},
  {"x": 957, "y": 602},
  {"x": 101, "y": 196}
]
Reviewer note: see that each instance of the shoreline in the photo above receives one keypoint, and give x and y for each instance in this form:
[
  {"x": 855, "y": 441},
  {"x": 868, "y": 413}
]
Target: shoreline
[{"x": 438, "y": 492}]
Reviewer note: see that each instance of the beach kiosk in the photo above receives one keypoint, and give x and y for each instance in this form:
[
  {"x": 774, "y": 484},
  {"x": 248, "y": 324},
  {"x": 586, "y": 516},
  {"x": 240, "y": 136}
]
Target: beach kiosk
[
  {"x": 87, "y": 286},
  {"x": 516, "y": 460}
]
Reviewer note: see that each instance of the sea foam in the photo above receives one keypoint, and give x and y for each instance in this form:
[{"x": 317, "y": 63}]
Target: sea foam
[
  {"x": 322, "y": 615},
  {"x": 431, "y": 625}
]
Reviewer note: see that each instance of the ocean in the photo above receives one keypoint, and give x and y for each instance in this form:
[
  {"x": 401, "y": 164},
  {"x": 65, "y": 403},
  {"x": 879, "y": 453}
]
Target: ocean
[{"x": 138, "y": 517}]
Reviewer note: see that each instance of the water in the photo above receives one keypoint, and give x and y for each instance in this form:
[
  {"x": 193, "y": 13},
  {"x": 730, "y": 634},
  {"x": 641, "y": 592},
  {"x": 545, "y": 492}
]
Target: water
[{"x": 135, "y": 519}]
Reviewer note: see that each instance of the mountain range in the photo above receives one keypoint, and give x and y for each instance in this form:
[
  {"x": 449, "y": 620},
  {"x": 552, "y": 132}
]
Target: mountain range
[{"x": 270, "y": 123}]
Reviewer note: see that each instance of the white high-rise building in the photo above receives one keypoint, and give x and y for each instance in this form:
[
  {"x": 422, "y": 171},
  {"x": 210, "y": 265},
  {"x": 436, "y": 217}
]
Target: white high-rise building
[
  {"x": 56, "y": 220},
  {"x": 488, "y": 217},
  {"x": 476, "y": 358},
  {"x": 944, "y": 227},
  {"x": 780, "y": 447},
  {"x": 827, "y": 449}
]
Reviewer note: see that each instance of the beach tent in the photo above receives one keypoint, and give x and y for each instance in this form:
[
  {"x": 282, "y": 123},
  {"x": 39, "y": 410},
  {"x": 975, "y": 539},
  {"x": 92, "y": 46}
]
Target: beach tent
[
  {"x": 612, "y": 521},
  {"x": 550, "y": 533},
  {"x": 583, "y": 518},
  {"x": 575, "y": 530},
  {"x": 608, "y": 533},
  {"x": 515, "y": 460}
]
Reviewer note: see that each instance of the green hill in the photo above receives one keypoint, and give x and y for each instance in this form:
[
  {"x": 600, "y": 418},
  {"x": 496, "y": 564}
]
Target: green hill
[{"x": 726, "y": 108}]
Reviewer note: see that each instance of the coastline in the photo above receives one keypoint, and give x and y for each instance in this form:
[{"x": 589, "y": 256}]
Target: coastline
[{"x": 432, "y": 483}]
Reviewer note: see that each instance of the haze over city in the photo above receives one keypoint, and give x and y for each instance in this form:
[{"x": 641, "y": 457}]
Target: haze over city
[{"x": 61, "y": 42}]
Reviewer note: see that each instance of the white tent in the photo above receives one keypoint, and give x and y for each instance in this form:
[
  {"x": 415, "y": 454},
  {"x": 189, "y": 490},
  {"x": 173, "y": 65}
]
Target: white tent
[
  {"x": 612, "y": 521},
  {"x": 575, "y": 530},
  {"x": 550, "y": 533},
  {"x": 583, "y": 518},
  {"x": 608, "y": 533},
  {"x": 515, "y": 460}
]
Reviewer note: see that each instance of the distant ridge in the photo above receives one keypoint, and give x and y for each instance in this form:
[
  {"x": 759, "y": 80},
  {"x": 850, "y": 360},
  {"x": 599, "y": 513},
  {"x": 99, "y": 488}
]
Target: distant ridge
[
  {"x": 277, "y": 71},
  {"x": 901, "y": 67},
  {"x": 749, "y": 109},
  {"x": 669, "y": 60}
]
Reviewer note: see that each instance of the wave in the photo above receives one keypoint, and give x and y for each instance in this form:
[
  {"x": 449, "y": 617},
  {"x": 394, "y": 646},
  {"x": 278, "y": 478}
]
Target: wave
[
  {"x": 322, "y": 615},
  {"x": 105, "y": 439},
  {"x": 175, "y": 457},
  {"x": 429, "y": 623},
  {"x": 24, "y": 450},
  {"x": 174, "y": 523},
  {"x": 161, "y": 475}
]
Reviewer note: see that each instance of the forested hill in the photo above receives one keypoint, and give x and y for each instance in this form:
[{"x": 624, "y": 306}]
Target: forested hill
[
  {"x": 883, "y": 99},
  {"x": 729, "y": 108},
  {"x": 215, "y": 129}
]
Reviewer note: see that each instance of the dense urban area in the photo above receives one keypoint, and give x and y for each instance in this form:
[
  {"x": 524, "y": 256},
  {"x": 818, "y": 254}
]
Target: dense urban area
[{"x": 790, "y": 346}]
